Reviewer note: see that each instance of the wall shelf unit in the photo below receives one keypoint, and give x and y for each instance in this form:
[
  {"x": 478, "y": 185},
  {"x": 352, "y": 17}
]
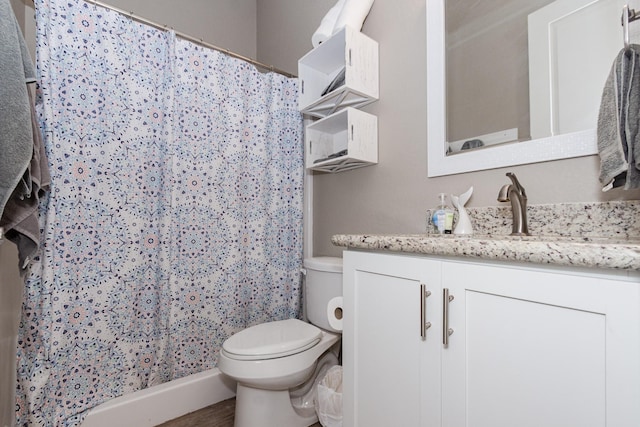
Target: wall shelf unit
[
  {"x": 343, "y": 141},
  {"x": 336, "y": 78}
]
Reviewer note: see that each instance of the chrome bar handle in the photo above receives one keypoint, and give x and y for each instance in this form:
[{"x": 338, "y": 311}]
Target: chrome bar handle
[
  {"x": 446, "y": 330},
  {"x": 424, "y": 325}
]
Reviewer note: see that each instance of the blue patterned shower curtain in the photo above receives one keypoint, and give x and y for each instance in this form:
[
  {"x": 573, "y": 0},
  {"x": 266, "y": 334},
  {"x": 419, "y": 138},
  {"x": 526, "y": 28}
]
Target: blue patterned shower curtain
[{"x": 175, "y": 215}]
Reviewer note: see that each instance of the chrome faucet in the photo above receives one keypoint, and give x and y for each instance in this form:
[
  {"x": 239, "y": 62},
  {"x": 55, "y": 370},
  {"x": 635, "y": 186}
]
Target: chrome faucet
[{"x": 515, "y": 194}]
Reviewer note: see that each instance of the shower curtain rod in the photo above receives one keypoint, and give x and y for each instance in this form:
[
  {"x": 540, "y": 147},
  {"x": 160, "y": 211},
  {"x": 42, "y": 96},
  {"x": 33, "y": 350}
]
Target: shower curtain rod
[{"x": 190, "y": 38}]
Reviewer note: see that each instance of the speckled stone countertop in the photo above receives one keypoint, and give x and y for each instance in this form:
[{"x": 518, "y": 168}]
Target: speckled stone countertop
[{"x": 596, "y": 235}]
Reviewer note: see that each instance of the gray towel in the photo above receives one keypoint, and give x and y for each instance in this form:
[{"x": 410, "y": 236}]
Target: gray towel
[
  {"x": 16, "y": 136},
  {"x": 618, "y": 131},
  {"x": 20, "y": 216}
]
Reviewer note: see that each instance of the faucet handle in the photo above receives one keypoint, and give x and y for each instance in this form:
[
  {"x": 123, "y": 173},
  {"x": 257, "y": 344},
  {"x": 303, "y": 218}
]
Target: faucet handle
[
  {"x": 515, "y": 194},
  {"x": 516, "y": 184}
]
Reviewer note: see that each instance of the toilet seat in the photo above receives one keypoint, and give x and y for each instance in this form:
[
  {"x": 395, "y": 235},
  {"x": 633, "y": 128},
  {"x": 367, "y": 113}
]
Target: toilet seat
[{"x": 272, "y": 340}]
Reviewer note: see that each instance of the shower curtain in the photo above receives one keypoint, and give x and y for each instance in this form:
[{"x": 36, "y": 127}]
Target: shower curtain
[{"x": 175, "y": 214}]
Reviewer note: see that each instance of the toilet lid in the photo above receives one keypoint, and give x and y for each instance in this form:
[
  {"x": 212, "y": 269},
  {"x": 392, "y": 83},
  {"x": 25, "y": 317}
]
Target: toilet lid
[{"x": 271, "y": 340}]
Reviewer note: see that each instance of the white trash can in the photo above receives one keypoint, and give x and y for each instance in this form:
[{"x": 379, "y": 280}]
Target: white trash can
[{"x": 329, "y": 400}]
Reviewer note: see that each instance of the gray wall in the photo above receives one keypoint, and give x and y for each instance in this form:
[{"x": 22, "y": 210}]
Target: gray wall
[
  {"x": 392, "y": 197},
  {"x": 488, "y": 81},
  {"x": 285, "y": 28},
  {"x": 229, "y": 24}
]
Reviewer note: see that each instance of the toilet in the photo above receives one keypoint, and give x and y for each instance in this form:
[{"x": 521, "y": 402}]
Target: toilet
[{"x": 278, "y": 364}]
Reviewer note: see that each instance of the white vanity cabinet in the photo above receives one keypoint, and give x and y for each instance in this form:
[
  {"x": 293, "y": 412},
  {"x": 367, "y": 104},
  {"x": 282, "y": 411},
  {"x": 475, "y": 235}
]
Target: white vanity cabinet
[
  {"x": 540, "y": 347},
  {"x": 391, "y": 372},
  {"x": 527, "y": 345}
]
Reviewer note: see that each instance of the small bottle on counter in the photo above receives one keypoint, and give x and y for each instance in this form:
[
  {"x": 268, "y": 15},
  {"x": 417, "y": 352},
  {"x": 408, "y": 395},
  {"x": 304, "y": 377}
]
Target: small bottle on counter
[{"x": 442, "y": 218}]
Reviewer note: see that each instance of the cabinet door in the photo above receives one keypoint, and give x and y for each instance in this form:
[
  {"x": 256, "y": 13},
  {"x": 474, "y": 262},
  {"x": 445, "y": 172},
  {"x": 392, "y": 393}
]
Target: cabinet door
[
  {"x": 533, "y": 348},
  {"x": 391, "y": 373}
]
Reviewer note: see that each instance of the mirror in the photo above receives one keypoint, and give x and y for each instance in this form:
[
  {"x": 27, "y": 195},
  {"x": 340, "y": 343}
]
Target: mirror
[{"x": 552, "y": 116}]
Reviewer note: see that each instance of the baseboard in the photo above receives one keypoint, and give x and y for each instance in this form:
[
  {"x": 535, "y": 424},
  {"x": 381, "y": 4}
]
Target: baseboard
[{"x": 158, "y": 404}]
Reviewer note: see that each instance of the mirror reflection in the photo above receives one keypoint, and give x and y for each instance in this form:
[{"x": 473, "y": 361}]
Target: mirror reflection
[{"x": 518, "y": 70}]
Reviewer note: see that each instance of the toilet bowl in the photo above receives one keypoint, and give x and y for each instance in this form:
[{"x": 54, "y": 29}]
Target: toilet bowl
[{"x": 277, "y": 364}]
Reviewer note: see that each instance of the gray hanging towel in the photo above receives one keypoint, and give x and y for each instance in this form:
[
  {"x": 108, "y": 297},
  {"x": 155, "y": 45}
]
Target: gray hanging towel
[
  {"x": 618, "y": 133},
  {"x": 20, "y": 216},
  {"x": 16, "y": 136}
]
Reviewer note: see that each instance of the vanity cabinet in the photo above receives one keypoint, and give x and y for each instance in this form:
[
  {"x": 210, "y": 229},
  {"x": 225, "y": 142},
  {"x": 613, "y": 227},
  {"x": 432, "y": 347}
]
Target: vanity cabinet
[
  {"x": 336, "y": 78},
  {"x": 391, "y": 361},
  {"x": 526, "y": 345},
  {"x": 539, "y": 347}
]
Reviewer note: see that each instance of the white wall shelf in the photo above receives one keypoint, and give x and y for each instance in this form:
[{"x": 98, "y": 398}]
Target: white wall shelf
[
  {"x": 350, "y": 50},
  {"x": 336, "y": 78},
  {"x": 351, "y": 133}
]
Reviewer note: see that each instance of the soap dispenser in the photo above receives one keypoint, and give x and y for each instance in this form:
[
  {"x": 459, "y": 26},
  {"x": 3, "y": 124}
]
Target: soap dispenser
[{"x": 442, "y": 218}]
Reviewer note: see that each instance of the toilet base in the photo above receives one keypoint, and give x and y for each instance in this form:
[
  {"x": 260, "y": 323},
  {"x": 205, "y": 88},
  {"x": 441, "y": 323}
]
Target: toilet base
[{"x": 267, "y": 408}]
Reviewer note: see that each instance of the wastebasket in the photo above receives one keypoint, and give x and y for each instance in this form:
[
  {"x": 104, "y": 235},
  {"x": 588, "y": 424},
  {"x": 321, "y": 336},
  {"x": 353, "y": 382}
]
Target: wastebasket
[{"x": 329, "y": 400}]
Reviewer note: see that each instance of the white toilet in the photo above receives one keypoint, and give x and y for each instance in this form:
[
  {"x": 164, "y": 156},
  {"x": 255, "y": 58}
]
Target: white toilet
[{"x": 277, "y": 364}]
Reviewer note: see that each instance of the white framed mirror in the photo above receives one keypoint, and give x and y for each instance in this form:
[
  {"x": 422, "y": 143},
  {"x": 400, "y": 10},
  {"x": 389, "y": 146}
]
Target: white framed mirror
[{"x": 539, "y": 149}]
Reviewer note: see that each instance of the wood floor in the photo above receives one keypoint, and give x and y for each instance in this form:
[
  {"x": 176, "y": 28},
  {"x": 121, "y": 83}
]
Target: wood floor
[{"x": 218, "y": 415}]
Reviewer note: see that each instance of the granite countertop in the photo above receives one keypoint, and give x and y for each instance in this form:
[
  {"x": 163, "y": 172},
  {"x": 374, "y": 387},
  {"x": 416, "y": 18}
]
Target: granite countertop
[
  {"x": 596, "y": 235},
  {"x": 566, "y": 251}
]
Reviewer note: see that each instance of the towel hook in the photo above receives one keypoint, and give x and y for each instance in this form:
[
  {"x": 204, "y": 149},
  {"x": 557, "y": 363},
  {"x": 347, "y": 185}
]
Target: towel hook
[
  {"x": 625, "y": 26},
  {"x": 628, "y": 15}
]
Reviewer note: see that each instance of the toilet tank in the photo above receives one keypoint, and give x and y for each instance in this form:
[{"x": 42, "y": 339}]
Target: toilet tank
[{"x": 323, "y": 281}]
